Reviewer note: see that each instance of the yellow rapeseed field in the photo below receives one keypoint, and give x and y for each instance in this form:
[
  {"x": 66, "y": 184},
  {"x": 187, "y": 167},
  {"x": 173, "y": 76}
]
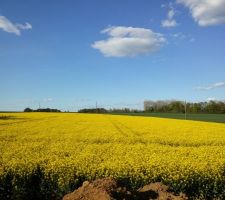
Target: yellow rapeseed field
[{"x": 187, "y": 155}]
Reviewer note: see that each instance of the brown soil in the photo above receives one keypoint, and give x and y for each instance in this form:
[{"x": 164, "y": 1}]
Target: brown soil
[{"x": 108, "y": 189}]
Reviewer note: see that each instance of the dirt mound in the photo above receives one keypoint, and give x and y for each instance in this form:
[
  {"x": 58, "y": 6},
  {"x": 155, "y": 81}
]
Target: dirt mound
[
  {"x": 108, "y": 189},
  {"x": 98, "y": 190},
  {"x": 158, "y": 191}
]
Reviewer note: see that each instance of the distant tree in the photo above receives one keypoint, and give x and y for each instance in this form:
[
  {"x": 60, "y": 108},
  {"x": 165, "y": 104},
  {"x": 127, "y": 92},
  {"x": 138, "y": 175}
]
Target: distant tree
[
  {"x": 28, "y": 110},
  {"x": 124, "y": 110},
  {"x": 197, "y": 107},
  {"x": 93, "y": 110},
  {"x": 41, "y": 110},
  {"x": 177, "y": 107},
  {"x": 47, "y": 110},
  {"x": 217, "y": 107}
]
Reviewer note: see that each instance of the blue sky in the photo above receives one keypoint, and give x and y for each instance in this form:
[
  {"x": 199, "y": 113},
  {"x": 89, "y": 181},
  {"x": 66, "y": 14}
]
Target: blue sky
[{"x": 70, "y": 54}]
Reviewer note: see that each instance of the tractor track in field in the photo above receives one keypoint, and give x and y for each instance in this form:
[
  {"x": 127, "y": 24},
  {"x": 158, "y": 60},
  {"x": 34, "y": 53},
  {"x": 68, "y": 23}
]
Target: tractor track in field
[
  {"x": 121, "y": 127},
  {"x": 118, "y": 128}
]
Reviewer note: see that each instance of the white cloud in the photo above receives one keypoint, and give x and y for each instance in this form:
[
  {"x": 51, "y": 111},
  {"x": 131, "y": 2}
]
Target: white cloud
[
  {"x": 211, "y": 99},
  {"x": 206, "y": 12},
  {"x": 129, "y": 41},
  {"x": 212, "y": 86},
  {"x": 171, "y": 13},
  {"x": 7, "y": 26},
  {"x": 27, "y": 26},
  {"x": 48, "y": 99},
  {"x": 170, "y": 21},
  {"x": 179, "y": 35}
]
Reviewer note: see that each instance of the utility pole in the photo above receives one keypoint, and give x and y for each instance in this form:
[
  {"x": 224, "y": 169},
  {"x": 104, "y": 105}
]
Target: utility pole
[
  {"x": 185, "y": 109},
  {"x": 96, "y": 106}
]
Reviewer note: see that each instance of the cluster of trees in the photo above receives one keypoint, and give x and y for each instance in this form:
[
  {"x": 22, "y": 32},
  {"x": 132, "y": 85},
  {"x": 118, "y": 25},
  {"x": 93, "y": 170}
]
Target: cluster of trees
[
  {"x": 93, "y": 110},
  {"x": 103, "y": 110},
  {"x": 41, "y": 110},
  {"x": 123, "y": 110},
  {"x": 217, "y": 107}
]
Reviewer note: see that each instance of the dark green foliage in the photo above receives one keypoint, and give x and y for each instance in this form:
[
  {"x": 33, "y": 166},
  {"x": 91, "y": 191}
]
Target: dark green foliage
[
  {"x": 32, "y": 186},
  {"x": 123, "y": 110},
  {"x": 39, "y": 186},
  {"x": 28, "y": 110},
  {"x": 211, "y": 107},
  {"x": 6, "y": 186},
  {"x": 41, "y": 110},
  {"x": 93, "y": 110}
]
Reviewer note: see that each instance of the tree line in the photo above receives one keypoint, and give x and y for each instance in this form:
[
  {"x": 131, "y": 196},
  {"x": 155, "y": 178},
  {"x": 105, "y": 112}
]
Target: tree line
[
  {"x": 41, "y": 110},
  {"x": 113, "y": 110},
  {"x": 211, "y": 107},
  {"x": 85, "y": 110},
  {"x": 174, "y": 106}
]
